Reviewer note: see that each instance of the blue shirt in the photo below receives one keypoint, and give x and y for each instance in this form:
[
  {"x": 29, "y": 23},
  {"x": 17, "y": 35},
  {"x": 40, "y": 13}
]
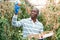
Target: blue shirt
[{"x": 29, "y": 27}]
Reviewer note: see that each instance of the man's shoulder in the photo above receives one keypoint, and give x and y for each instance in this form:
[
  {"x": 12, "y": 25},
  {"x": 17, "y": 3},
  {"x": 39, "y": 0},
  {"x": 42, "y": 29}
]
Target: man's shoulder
[{"x": 40, "y": 23}]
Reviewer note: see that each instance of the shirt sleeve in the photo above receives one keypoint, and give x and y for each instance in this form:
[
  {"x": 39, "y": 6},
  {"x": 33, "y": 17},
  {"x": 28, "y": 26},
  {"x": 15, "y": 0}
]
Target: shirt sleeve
[{"x": 15, "y": 22}]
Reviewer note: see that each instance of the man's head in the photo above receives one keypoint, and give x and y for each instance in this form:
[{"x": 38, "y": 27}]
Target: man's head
[{"x": 34, "y": 12}]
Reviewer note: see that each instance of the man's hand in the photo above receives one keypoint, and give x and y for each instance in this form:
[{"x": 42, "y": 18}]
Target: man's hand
[{"x": 16, "y": 7}]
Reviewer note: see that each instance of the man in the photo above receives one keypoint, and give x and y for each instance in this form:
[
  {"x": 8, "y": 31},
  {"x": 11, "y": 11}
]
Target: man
[{"x": 30, "y": 25}]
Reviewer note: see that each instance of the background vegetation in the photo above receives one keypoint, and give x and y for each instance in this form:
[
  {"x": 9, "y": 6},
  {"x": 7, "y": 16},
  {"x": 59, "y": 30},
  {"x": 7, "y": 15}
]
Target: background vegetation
[{"x": 49, "y": 16}]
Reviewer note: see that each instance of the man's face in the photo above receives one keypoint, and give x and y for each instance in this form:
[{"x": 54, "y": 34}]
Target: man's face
[{"x": 34, "y": 13}]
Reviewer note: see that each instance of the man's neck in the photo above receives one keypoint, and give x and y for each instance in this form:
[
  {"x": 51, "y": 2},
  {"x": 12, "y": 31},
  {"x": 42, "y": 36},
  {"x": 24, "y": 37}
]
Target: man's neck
[{"x": 34, "y": 19}]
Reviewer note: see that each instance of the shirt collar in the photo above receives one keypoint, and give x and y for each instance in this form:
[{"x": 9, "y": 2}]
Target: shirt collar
[{"x": 31, "y": 19}]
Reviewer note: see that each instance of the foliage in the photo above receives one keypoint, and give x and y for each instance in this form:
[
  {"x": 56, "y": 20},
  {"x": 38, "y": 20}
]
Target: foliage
[{"x": 50, "y": 17}]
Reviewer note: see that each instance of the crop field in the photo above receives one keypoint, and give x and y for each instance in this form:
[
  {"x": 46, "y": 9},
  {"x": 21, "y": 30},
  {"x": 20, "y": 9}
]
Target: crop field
[{"x": 49, "y": 16}]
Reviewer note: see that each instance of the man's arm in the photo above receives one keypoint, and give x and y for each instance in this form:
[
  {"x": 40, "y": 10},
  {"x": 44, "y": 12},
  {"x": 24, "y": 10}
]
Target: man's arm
[
  {"x": 14, "y": 19},
  {"x": 15, "y": 22}
]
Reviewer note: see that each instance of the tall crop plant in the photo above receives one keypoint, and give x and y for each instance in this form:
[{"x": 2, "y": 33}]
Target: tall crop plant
[{"x": 50, "y": 17}]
